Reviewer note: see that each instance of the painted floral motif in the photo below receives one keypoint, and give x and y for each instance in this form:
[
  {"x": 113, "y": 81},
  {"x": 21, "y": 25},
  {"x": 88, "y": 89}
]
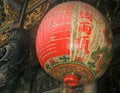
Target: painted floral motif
[
  {"x": 85, "y": 75},
  {"x": 101, "y": 59}
]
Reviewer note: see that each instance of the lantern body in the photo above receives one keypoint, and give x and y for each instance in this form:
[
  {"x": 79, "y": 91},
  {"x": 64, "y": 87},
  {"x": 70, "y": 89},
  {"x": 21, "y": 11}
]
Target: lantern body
[{"x": 73, "y": 43}]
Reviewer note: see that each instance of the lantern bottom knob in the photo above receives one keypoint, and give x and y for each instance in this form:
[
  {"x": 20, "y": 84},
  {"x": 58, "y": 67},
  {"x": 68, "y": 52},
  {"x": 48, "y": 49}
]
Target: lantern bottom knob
[{"x": 71, "y": 80}]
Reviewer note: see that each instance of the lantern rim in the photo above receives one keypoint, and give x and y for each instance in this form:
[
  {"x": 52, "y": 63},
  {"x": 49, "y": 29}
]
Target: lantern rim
[{"x": 71, "y": 80}]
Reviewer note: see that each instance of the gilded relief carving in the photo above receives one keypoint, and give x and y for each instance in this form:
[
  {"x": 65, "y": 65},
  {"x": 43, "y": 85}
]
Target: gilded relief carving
[
  {"x": 31, "y": 3},
  {"x": 36, "y": 14},
  {"x": 8, "y": 15}
]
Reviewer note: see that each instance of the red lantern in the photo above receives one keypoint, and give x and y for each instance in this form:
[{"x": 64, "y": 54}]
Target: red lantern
[{"x": 73, "y": 43}]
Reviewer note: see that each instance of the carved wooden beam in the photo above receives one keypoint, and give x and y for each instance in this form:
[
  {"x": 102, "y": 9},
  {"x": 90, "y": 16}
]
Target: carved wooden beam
[{"x": 22, "y": 14}]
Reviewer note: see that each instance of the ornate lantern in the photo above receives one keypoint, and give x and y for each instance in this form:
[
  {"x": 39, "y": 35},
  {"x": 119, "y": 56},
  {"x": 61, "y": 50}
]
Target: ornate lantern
[{"x": 74, "y": 43}]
